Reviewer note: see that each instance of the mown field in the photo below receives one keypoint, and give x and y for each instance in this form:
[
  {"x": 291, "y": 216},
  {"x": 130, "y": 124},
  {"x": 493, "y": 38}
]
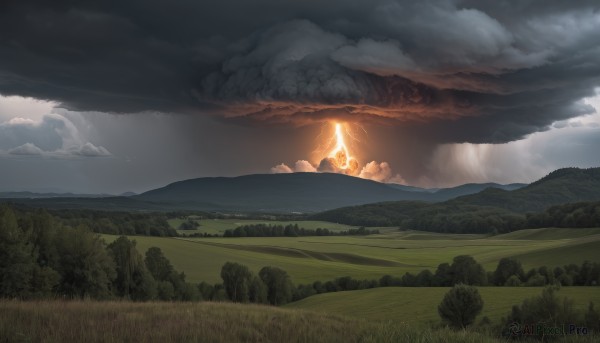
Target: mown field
[
  {"x": 418, "y": 305},
  {"x": 309, "y": 259}
]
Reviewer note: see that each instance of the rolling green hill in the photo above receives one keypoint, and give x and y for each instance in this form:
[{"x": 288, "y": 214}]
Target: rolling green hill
[
  {"x": 309, "y": 259},
  {"x": 562, "y": 186},
  {"x": 473, "y": 188},
  {"x": 493, "y": 209},
  {"x": 391, "y": 213},
  {"x": 419, "y": 305}
]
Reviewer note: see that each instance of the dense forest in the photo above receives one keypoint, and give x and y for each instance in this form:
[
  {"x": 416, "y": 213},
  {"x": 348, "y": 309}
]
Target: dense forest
[
  {"x": 567, "y": 185},
  {"x": 391, "y": 213},
  {"x": 41, "y": 257},
  {"x": 117, "y": 223},
  {"x": 452, "y": 217},
  {"x": 108, "y": 222}
]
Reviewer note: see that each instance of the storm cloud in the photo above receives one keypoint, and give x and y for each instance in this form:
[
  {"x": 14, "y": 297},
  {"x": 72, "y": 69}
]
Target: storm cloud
[{"x": 450, "y": 71}]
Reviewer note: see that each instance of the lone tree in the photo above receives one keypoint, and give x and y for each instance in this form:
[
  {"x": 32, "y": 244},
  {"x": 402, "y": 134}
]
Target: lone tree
[{"x": 460, "y": 306}]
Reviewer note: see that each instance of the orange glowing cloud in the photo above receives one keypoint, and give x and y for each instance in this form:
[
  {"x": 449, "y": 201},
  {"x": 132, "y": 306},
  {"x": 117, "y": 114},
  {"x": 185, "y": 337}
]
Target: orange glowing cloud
[
  {"x": 335, "y": 156},
  {"x": 340, "y": 156}
]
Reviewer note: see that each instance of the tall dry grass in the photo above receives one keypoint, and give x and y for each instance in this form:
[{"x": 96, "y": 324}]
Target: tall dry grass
[{"x": 89, "y": 321}]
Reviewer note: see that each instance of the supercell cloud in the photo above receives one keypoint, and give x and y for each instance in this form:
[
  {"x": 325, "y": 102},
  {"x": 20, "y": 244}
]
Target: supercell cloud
[{"x": 452, "y": 71}]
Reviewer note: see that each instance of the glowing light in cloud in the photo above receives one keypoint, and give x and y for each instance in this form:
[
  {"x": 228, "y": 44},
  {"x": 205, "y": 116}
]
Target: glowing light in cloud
[
  {"x": 336, "y": 157},
  {"x": 340, "y": 156}
]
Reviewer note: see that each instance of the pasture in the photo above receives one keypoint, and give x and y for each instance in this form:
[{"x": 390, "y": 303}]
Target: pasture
[
  {"x": 418, "y": 305},
  {"x": 309, "y": 259}
]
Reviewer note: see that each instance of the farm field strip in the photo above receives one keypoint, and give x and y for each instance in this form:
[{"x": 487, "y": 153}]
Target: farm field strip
[
  {"x": 419, "y": 304},
  {"x": 309, "y": 259}
]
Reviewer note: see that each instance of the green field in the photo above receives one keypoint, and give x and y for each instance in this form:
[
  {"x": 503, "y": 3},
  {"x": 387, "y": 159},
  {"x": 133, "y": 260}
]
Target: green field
[
  {"x": 309, "y": 259},
  {"x": 418, "y": 305},
  {"x": 218, "y": 226}
]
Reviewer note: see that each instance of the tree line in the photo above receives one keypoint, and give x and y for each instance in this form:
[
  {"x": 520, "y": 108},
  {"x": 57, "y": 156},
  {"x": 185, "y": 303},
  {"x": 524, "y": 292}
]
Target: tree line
[
  {"x": 456, "y": 217},
  {"x": 464, "y": 270},
  {"x": 477, "y": 219},
  {"x": 291, "y": 230},
  {"x": 109, "y": 222}
]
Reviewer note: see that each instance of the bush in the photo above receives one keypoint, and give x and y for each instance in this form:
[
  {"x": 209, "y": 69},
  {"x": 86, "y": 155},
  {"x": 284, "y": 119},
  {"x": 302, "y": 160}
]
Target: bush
[
  {"x": 513, "y": 281},
  {"x": 547, "y": 308},
  {"x": 536, "y": 280},
  {"x": 460, "y": 306}
]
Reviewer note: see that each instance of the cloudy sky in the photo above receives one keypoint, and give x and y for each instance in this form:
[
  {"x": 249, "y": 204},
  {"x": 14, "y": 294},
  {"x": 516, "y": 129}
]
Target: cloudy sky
[{"x": 114, "y": 96}]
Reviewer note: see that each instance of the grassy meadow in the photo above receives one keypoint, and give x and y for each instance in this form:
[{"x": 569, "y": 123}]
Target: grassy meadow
[
  {"x": 418, "y": 305},
  {"x": 394, "y": 314},
  {"x": 89, "y": 321},
  {"x": 309, "y": 259},
  {"x": 81, "y": 321}
]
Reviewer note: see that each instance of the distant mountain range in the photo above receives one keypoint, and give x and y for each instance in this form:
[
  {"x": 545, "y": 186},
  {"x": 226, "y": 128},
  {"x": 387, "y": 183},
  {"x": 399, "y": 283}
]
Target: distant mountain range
[
  {"x": 35, "y": 195},
  {"x": 297, "y": 192},
  {"x": 315, "y": 192}
]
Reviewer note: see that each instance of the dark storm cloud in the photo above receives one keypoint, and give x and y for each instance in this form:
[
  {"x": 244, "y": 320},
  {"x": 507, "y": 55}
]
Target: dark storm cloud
[{"x": 456, "y": 71}]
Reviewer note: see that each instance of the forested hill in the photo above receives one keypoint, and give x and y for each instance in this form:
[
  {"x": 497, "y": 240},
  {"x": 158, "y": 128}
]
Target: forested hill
[
  {"x": 490, "y": 210},
  {"x": 392, "y": 213},
  {"x": 301, "y": 192},
  {"x": 298, "y": 192},
  {"x": 562, "y": 186}
]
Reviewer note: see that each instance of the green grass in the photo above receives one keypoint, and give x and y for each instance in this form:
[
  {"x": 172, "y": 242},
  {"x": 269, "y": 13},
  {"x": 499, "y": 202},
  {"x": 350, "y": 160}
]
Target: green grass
[
  {"x": 309, "y": 259},
  {"x": 419, "y": 305},
  {"x": 549, "y": 234},
  {"x": 64, "y": 321}
]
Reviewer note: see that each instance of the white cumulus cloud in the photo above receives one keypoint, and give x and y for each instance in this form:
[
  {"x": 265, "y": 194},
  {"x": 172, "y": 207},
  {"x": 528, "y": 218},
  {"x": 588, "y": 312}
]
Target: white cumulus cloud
[
  {"x": 281, "y": 169},
  {"x": 26, "y": 149},
  {"x": 53, "y": 135},
  {"x": 381, "y": 172},
  {"x": 90, "y": 150},
  {"x": 303, "y": 166}
]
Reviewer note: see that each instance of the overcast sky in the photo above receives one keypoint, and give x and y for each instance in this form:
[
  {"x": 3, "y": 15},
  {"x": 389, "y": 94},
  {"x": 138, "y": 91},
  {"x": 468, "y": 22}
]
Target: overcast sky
[{"x": 107, "y": 97}]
